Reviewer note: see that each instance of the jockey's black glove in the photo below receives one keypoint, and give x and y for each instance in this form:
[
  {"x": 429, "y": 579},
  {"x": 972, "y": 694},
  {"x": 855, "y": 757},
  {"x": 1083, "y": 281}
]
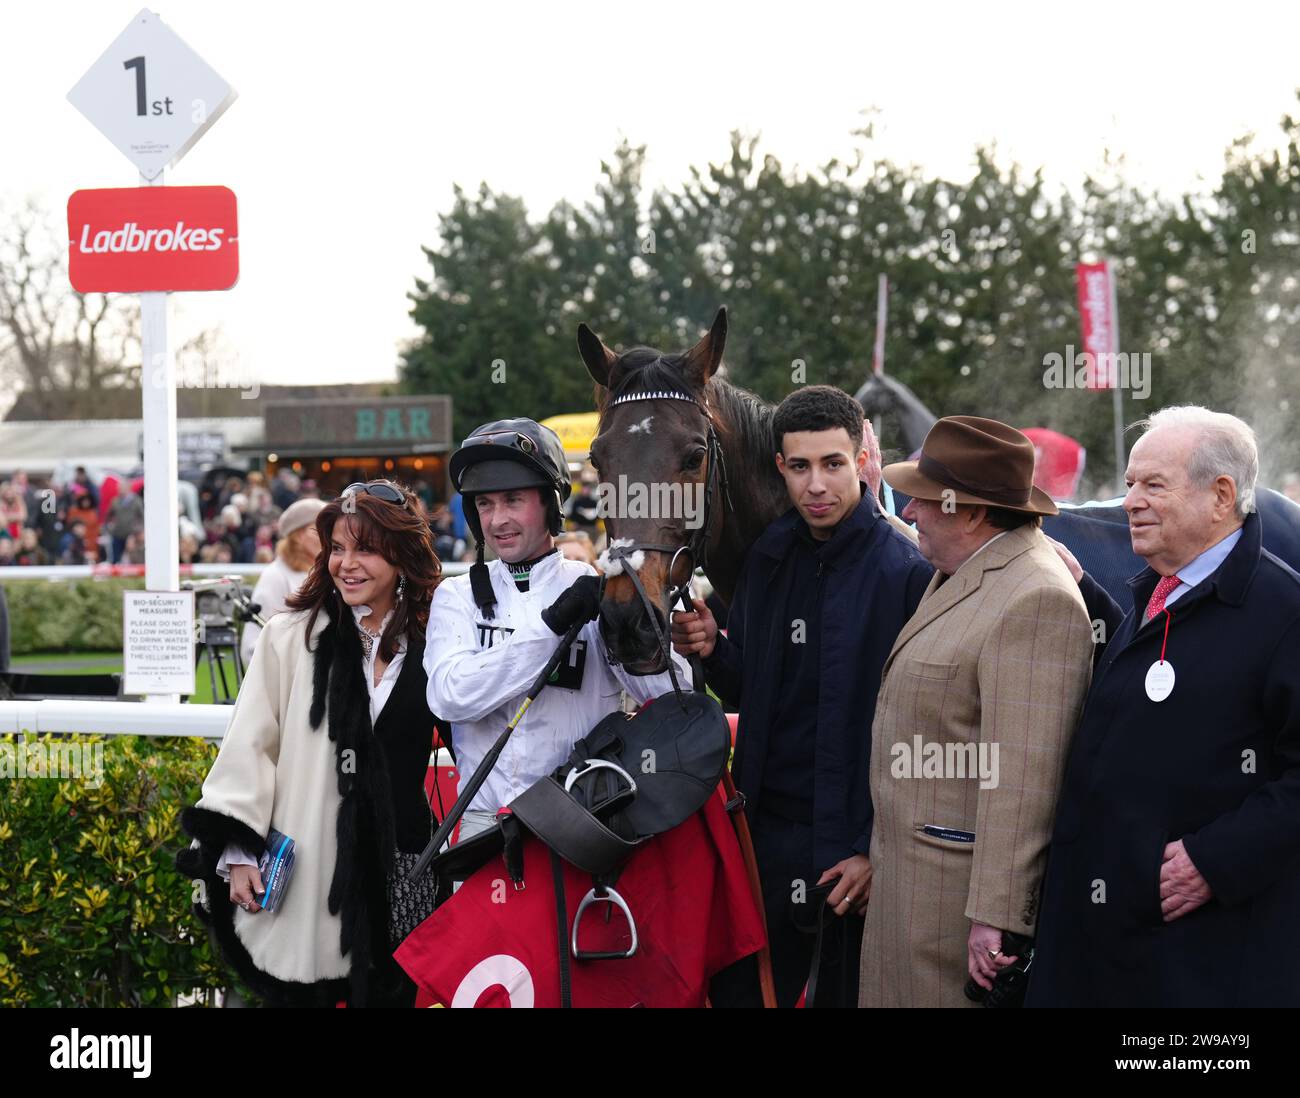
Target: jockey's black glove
[{"x": 580, "y": 603}]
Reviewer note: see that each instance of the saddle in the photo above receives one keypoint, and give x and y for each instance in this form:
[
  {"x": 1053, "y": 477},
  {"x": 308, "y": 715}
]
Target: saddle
[{"x": 627, "y": 780}]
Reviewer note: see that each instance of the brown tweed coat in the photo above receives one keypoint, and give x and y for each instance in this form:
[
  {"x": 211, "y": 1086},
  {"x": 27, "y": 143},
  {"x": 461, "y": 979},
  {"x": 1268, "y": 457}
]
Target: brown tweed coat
[{"x": 996, "y": 660}]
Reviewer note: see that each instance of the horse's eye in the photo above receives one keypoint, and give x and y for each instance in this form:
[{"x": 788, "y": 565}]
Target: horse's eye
[{"x": 694, "y": 461}]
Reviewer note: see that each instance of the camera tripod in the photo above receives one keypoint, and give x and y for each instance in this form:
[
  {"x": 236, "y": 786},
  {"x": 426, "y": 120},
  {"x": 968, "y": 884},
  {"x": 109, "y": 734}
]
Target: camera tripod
[{"x": 219, "y": 604}]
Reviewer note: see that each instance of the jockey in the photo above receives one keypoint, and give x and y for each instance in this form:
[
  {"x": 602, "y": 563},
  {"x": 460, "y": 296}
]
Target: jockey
[{"x": 491, "y": 632}]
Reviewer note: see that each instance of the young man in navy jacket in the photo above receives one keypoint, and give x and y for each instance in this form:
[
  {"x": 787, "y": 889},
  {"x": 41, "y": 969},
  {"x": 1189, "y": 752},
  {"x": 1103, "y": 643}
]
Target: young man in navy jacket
[{"x": 821, "y": 596}]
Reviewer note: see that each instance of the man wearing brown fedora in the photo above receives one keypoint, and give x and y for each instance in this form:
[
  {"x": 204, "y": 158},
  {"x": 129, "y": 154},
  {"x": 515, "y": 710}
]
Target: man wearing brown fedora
[{"x": 980, "y": 695}]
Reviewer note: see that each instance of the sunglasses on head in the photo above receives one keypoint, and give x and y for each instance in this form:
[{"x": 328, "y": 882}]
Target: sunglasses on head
[{"x": 380, "y": 489}]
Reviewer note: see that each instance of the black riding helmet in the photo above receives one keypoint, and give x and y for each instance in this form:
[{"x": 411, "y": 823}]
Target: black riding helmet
[
  {"x": 508, "y": 454},
  {"x": 500, "y": 456}
]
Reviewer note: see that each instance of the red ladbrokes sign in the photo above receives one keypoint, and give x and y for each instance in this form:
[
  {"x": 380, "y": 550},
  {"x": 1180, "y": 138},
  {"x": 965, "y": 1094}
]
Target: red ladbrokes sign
[{"x": 144, "y": 239}]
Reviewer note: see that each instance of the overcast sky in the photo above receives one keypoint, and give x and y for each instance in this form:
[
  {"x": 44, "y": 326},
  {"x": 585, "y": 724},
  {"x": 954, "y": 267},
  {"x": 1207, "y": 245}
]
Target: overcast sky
[{"x": 354, "y": 121}]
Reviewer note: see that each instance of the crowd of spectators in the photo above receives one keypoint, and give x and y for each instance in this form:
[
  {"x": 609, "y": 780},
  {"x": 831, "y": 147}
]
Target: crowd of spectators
[
  {"x": 88, "y": 520},
  {"x": 84, "y": 521}
]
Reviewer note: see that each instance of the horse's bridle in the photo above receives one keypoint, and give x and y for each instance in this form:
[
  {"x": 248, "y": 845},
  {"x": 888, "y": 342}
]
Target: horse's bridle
[{"x": 697, "y": 547}]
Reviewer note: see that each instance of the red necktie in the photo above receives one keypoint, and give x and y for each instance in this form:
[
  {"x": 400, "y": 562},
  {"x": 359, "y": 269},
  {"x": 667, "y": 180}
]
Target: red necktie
[{"x": 1163, "y": 590}]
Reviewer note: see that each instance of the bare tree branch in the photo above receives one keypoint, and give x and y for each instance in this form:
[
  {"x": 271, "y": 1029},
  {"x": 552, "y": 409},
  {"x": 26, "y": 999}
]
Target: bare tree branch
[{"x": 56, "y": 340}]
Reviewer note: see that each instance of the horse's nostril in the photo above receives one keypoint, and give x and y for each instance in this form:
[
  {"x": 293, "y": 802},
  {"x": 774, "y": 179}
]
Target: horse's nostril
[{"x": 630, "y": 633}]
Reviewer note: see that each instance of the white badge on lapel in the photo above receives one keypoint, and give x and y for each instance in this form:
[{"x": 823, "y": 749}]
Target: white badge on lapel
[{"x": 1160, "y": 680}]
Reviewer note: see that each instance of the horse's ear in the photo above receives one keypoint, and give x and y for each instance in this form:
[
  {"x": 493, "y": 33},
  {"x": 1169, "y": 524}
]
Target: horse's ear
[
  {"x": 702, "y": 360},
  {"x": 598, "y": 358}
]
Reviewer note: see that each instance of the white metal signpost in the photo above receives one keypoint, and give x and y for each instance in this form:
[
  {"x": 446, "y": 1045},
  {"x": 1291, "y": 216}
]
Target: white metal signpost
[{"x": 154, "y": 97}]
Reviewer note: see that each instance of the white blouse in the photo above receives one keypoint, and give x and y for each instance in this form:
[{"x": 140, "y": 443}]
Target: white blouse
[
  {"x": 370, "y": 653},
  {"x": 237, "y": 855}
]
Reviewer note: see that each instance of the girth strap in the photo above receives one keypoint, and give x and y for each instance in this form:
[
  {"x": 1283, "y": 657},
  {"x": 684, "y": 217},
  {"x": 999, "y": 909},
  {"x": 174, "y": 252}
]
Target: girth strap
[{"x": 562, "y": 930}]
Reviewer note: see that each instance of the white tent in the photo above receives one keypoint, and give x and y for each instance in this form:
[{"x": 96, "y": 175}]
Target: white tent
[{"x": 44, "y": 447}]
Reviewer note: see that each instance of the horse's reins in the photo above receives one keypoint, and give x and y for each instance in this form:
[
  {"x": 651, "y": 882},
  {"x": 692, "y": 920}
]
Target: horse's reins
[
  {"x": 697, "y": 547},
  {"x": 698, "y": 550}
]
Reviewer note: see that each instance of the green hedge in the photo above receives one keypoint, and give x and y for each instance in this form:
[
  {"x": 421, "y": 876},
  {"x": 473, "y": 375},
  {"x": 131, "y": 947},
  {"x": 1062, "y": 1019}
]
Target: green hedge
[
  {"x": 93, "y": 911},
  {"x": 66, "y": 615}
]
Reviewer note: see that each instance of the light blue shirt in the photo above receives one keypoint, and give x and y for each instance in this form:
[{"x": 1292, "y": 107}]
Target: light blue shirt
[{"x": 1203, "y": 566}]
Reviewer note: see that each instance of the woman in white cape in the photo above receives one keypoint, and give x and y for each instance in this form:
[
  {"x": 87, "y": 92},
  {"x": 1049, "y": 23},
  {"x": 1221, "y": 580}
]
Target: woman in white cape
[{"x": 329, "y": 745}]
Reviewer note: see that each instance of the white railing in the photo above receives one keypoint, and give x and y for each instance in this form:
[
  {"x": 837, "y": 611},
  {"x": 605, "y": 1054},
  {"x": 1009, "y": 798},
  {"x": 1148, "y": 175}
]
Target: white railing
[
  {"x": 115, "y": 718},
  {"x": 86, "y": 571}
]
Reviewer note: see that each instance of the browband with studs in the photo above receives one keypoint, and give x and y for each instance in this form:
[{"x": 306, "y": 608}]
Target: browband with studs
[{"x": 655, "y": 394}]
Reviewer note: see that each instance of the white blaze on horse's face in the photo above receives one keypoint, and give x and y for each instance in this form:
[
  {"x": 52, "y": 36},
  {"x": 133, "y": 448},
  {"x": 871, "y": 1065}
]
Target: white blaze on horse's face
[
  {"x": 821, "y": 471},
  {"x": 641, "y": 428}
]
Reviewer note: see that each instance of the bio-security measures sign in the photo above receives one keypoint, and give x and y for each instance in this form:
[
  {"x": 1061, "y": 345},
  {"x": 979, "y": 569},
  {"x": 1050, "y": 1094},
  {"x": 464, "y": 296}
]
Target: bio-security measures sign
[
  {"x": 151, "y": 95},
  {"x": 158, "y": 642}
]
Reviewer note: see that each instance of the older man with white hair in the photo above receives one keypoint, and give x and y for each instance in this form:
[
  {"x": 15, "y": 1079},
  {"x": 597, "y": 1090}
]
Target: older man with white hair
[{"x": 1174, "y": 872}]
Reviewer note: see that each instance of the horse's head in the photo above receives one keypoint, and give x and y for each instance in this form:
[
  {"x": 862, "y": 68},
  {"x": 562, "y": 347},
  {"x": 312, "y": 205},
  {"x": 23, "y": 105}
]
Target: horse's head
[{"x": 660, "y": 465}]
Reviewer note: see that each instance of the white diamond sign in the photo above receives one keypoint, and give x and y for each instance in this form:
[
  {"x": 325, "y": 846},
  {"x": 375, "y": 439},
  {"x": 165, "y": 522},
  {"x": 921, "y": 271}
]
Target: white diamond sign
[{"x": 151, "y": 95}]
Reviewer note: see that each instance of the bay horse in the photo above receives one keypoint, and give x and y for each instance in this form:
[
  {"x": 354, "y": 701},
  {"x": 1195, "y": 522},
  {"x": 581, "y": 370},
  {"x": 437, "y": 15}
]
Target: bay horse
[{"x": 671, "y": 430}]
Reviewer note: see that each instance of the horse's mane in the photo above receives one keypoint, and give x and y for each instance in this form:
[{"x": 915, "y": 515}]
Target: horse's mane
[{"x": 747, "y": 414}]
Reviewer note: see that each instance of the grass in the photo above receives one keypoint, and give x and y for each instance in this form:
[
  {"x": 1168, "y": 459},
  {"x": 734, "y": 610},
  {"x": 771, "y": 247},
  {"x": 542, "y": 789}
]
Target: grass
[
  {"x": 93, "y": 663},
  {"x": 96, "y": 661}
]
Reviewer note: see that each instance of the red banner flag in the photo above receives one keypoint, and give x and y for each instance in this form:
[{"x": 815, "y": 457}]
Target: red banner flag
[
  {"x": 1058, "y": 461},
  {"x": 688, "y": 891},
  {"x": 1098, "y": 311}
]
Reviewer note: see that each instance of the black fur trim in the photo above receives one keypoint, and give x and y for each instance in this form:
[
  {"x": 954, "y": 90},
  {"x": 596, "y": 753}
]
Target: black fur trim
[
  {"x": 219, "y": 830},
  {"x": 366, "y": 830},
  {"x": 214, "y": 832},
  {"x": 320, "y": 673}
]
